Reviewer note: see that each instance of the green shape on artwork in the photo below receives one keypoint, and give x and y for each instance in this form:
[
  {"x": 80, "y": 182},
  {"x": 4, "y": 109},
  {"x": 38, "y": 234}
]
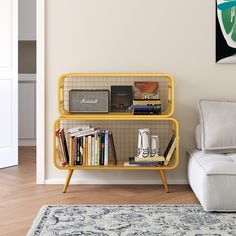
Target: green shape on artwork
[
  {"x": 234, "y": 34},
  {"x": 228, "y": 14},
  {"x": 227, "y": 20}
]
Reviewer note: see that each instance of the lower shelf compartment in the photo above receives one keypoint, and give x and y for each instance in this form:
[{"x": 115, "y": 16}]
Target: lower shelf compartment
[{"x": 125, "y": 138}]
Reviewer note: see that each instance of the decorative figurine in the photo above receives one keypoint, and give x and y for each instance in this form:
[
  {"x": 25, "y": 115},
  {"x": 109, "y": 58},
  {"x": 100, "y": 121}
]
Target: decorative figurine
[
  {"x": 143, "y": 143},
  {"x": 155, "y": 146}
]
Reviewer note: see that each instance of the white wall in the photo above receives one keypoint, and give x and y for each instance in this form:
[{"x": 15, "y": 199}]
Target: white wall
[{"x": 176, "y": 37}]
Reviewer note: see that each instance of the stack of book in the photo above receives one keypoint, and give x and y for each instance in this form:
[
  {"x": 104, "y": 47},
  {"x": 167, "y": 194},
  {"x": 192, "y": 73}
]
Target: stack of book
[
  {"x": 155, "y": 161},
  {"x": 146, "y": 98},
  {"x": 146, "y": 107},
  {"x": 89, "y": 146}
]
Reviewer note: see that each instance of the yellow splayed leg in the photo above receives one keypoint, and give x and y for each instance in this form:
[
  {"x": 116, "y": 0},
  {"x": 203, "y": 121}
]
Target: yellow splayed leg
[
  {"x": 68, "y": 177},
  {"x": 163, "y": 177}
]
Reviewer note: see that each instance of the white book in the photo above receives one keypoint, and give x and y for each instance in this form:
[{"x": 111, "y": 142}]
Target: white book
[
  {"x": 79, "y": 128},
  {"x": 89, "y": 150},
  {"x": 96, "y": 151},
  {"x": 83, "y": 132},
  {"x": 84, "y": 151},
  {"x": 88, "y": 133},
  {"x": 106, "y": 148},
  {"x": 92, "y": 151}
]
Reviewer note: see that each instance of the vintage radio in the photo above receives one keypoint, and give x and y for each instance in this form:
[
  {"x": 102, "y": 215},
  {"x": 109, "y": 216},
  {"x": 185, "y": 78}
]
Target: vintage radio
[{"x": 88, "y": 101}]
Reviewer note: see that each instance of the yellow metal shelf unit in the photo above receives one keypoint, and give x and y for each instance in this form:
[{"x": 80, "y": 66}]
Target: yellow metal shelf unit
[{"x": 163, "y": 124}]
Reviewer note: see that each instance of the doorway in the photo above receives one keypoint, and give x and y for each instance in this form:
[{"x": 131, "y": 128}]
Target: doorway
[
  {"x": 32, "y": 84},
  {"x": 27, "y": 81}
]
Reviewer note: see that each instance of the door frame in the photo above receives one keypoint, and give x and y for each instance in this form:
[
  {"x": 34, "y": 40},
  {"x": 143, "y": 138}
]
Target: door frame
[{"x": 40, "y": 93}]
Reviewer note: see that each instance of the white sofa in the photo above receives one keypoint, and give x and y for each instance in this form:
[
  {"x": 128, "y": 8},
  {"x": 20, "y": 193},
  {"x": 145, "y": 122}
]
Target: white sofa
[
  {"x": 212, "y": 177},
  {"x": 212, "y": 165}
]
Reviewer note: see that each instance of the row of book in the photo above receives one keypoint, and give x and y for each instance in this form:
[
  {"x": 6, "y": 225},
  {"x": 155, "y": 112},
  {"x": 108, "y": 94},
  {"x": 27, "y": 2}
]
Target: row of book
[{"x": 87, "y": 146}]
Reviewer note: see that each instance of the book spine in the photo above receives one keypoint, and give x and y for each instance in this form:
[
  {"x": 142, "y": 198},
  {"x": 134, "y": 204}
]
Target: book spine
[
  {"x": 96, "y": 150},
  {"x": 106, "y": 148},
  {"x": 78, "y": 153},
  {"x": 147, "y": 108},
  {"x": 75, "y": 150},
  {"x": 149, "y": 159},
  {"x": 64, "y": 145},
  {"x": 84, "y": 152},
  {"x": 102, "y": 147},
  {"x": 81, "y": 150},
  {"x": 89, "y": 150},
  {"x": 113, "y": 150},
  {"x": 170, "y": 153},
  {"x": 146, "y": 102},
  {"x": 155, "y": 112},
  {"x": 62, "y": 156},
  {"x": 92, "y": 151},
  {"x": 71, "y": 162},
  {"x": 99, "y": 149},
  {"x": 138, "y": 165},
  {"x": 143, "y": 163}
]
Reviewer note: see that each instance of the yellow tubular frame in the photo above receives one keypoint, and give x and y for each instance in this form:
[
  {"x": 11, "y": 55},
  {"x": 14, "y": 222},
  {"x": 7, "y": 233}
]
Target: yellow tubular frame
[
  {"x": 115, "y": 116},
  {"x": 109, "y": 116},
  {"x": 176, "y": 160}
]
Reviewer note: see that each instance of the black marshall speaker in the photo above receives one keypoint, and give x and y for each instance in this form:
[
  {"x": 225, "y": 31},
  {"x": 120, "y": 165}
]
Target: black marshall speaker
[{"x": 88, "y": 101}]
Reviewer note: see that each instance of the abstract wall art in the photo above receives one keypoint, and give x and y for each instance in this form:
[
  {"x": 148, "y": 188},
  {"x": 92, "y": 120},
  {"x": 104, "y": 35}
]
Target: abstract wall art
[{"x": 226, "y": 31}]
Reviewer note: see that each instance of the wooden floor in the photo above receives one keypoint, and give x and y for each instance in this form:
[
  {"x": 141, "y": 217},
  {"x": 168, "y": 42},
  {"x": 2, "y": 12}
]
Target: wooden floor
[{"x": 21, "y": 198}]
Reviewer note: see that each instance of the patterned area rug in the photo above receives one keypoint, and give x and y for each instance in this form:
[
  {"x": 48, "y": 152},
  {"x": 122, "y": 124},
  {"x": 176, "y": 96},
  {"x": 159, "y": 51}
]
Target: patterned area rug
[{"x": 127, "y": 220}]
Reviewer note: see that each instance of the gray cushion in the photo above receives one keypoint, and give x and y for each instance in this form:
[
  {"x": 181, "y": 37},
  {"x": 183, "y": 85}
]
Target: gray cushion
[{"x": 218, "y": 126}]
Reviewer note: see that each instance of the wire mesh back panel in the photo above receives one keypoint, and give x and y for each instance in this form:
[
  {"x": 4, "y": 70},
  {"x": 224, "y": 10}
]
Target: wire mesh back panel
[
  {"x": 125, "y": 133},
  {"x": 90, "y": 82}
]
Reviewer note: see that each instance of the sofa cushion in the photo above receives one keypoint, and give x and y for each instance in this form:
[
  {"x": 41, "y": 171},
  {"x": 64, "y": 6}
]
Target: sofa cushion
[
  {"x": 218, "y": 126},
  {"x": 212, "y": 178},
  {"x": 216, "y": 164}
]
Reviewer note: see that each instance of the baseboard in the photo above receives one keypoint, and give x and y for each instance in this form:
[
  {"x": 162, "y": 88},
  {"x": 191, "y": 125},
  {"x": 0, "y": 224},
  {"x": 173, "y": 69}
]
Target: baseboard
[
  {"x": 26, "y": 142},
  {"x": 115, "y": 181}
]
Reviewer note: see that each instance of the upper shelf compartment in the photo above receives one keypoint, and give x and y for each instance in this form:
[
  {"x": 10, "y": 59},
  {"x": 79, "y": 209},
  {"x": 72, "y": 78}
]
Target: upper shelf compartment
[{"x": 68, "y": 82}]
